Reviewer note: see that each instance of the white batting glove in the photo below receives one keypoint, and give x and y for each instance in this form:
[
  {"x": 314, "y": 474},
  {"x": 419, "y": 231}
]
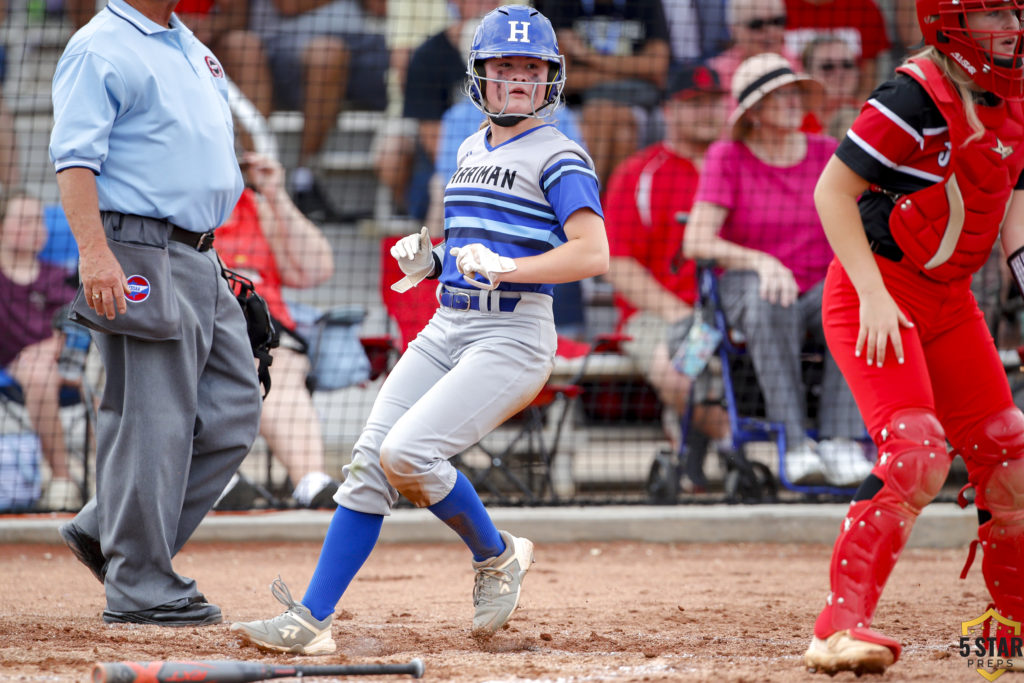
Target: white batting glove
[
  {"x": 413, "y": 253},
  {"x": 476, "y": 259}
]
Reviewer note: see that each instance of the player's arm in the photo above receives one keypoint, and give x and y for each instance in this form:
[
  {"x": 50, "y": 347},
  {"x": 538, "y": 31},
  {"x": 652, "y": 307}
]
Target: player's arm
[
  {"x": 633, "y": 281},
  {"x": 584, "y": 254},
  {"x": 835, "y": 197}
]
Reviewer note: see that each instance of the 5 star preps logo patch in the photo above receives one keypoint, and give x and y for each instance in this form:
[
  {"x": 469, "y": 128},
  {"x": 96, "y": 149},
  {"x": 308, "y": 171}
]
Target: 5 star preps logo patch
[
  {"x": 138, "y": 289},
  {"x": 215, "y": 67},
  {"x": 991, "y": 644}
]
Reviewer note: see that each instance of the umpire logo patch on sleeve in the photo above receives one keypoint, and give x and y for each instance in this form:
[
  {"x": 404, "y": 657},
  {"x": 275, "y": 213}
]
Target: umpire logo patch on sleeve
[{"x": 215, "y": 67}]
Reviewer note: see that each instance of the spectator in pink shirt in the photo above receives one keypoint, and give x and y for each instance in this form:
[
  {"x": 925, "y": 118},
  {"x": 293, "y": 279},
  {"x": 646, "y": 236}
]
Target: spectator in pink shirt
[{"x": 754, "y": 215}]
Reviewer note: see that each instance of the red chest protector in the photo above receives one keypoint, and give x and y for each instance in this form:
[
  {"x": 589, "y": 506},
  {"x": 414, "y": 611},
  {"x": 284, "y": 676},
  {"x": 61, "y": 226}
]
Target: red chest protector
[{"x": 948, "y": 229}]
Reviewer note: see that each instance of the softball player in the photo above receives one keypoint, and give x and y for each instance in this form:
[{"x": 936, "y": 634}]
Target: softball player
[
  {"x": 935, "y": 157},
  {"x": 522, "y": 213}
]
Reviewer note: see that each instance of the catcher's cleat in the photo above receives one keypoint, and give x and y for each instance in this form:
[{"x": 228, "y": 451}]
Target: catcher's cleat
[
  {"x": 859, "y": 650},
  {"x": 296, "y": 631},
  {"x": 498, "y": 583}
]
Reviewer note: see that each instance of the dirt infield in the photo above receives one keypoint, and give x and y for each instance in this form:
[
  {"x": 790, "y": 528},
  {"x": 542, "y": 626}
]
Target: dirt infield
[{"x": 618, "y": 611}]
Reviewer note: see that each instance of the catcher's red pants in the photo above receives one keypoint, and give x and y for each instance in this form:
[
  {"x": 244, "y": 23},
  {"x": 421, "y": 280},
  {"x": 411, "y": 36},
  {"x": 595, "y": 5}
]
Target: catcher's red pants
[
  {"x": 951, "y": 372},
  {"x": 951, "y": 365}
]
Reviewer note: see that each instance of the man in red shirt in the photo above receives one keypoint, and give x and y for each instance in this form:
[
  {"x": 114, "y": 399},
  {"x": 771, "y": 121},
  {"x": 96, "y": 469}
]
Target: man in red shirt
[
  {"x": 858, "y": 22},
  {"x": 646, "y": 207}
]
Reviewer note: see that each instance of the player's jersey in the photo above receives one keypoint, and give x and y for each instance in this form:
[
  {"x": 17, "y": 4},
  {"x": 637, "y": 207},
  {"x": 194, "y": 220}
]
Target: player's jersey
[
  {"x": 900, "y": 144},
  {"x": 515, "y": 198}
]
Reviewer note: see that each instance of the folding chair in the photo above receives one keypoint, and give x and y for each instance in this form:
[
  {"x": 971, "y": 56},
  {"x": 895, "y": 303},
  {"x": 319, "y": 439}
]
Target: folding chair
[
  {"x": 745, "y": 481},
  {"x": 518, "y": 457}
]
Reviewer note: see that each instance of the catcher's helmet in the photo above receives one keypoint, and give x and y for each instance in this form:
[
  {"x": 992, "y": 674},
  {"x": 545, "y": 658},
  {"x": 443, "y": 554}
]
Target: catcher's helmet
[
  {"x": 515, "y": 31},
  {"x": 992, "y": 66}
]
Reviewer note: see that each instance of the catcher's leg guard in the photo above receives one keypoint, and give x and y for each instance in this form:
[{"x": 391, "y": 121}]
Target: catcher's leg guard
[
  {"x": 996, "y": 453},
  {"x": 911, "y": 467}
]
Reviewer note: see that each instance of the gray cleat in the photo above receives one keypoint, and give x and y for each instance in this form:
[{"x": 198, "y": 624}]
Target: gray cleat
[
  {"x": 498, "y": 583},
  {"x": 296, "y": 631}
]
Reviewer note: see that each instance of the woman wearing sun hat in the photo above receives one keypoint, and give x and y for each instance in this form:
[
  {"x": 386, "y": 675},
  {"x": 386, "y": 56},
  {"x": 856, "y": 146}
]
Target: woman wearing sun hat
[{"x": 754, "y": 215}]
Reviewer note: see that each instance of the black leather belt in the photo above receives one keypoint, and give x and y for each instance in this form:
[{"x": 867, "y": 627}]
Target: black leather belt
[
  {"x": 464, "y": 301},
  {"x": 200, "y": 241},
  {"x": 889, "y": 251}
]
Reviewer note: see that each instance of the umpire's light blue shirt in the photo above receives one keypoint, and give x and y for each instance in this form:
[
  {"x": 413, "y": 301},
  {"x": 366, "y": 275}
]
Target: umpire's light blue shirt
[{"x": 145, "y": 108}]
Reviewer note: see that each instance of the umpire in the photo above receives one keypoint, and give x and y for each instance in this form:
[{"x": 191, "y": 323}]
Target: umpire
[{"x": 142, "y": 144}]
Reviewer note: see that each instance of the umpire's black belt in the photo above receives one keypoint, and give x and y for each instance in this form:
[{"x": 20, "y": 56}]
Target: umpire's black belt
[
  {"x": 200, "y": 241},
  {"x": 483, "y": 300}
]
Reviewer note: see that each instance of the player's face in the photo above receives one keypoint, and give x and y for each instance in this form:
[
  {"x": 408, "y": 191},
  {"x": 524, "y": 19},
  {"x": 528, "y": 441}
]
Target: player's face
[
  {"x": 23, "y": 228},
  {"x": 995, "y": 31},
  {"x": 783, "y": 108},
  {"x": 522, "y": 88},
  {"x": 697, "y": 119},
  {"x": 835, "y": 66}
]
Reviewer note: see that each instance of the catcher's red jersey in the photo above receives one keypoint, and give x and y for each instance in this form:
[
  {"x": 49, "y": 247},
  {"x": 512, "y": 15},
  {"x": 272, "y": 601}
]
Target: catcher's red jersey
[{"x": 900, "y": 143}]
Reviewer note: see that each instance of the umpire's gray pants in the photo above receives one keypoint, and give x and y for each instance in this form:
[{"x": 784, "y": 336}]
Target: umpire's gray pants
[
  {"x": 176, "y": 420},
  {"x": 774, "y": 338},
  {"x": 462, "y": 376}
]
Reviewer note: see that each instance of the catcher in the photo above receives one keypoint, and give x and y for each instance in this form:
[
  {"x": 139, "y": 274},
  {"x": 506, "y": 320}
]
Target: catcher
[{"x": 935, "y": 158}]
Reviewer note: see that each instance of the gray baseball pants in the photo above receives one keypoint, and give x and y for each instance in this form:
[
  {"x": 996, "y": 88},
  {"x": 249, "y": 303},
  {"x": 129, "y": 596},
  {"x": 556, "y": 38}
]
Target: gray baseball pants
[
  {"x": 176, "y": 420},
  {"x": 462, "y": 376}
]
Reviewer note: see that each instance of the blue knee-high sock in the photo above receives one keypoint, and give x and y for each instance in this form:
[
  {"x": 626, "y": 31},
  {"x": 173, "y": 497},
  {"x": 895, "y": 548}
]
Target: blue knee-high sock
[
  {"x": 465, "y": 514},
  {"x": 349, "y": 541}
]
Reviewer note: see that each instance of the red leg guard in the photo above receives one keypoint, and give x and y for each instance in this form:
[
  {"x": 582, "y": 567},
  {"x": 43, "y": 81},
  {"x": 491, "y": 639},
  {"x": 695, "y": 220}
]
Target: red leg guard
[
  {"x": 912, "y": 466},
  {"x": 998, "y": 477}
]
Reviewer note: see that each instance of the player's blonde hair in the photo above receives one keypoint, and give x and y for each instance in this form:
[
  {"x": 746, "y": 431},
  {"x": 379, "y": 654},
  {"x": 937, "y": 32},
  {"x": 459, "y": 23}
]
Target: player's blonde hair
[{"x": 964, "y": 86}]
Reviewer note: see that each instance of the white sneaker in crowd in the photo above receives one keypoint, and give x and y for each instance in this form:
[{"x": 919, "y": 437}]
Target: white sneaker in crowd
[
  {"x": 845, "y": 462},
  {"x": 803, "y": 466}
]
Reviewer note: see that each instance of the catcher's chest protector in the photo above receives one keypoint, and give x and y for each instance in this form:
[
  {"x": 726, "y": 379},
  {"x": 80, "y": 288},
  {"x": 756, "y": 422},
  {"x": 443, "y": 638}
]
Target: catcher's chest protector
[{"x": 948, "y": 229}]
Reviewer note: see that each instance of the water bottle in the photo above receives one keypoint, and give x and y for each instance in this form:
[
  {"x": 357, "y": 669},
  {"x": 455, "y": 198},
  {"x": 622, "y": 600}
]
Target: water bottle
[
  {"x": 71, "y": 362},
  {"x": 700, "y": 344}
]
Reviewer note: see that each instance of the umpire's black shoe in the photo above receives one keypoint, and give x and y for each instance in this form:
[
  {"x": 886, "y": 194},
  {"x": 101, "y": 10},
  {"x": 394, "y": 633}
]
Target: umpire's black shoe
[
  {"x": 185, "y": 612},
  {"x": 86, "y": 549}
]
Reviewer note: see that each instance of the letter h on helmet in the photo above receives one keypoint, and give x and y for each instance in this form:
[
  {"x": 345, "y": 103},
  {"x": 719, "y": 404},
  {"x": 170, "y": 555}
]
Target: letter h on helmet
[
  {"x": 515, "y": 31},
  {"x": 992, "y": 58}
]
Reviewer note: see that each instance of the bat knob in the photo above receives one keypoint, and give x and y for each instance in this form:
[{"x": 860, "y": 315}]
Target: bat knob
[{"x": 417, "y": 665}]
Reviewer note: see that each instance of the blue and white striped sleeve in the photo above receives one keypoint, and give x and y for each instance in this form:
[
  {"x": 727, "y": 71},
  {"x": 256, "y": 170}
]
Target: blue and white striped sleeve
[{"x": 570, "y": 184}]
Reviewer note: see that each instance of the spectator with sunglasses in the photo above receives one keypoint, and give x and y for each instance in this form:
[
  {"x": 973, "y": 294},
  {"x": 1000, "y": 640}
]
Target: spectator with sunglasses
[
  {"x": 858, "y": 22},
  {"x": 830, "y": 59},
  {"x": 756, "y": 27}
]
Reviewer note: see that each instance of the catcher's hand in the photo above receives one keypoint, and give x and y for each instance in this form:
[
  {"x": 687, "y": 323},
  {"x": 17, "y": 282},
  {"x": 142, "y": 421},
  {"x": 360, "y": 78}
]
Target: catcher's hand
[
  {"x": 413, "y": 253},
  {"x": 477, "y": 260}
]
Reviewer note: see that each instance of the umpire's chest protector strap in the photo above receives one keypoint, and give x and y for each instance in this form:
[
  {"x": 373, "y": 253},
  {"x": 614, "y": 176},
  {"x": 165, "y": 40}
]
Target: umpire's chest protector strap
[{"x": 947, "y": 229}]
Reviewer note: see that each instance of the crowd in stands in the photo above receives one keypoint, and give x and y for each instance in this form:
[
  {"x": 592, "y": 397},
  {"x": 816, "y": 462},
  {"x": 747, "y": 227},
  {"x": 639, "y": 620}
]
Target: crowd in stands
[{"x": 653, "y": 85}]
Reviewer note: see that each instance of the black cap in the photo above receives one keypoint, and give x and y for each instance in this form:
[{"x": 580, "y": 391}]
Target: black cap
[{"x": 693, "y": 80}]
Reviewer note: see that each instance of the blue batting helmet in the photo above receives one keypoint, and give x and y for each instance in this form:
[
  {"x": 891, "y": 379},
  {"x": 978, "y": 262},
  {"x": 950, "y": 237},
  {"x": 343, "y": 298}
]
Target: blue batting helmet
[{"x": 516, "y": 31}]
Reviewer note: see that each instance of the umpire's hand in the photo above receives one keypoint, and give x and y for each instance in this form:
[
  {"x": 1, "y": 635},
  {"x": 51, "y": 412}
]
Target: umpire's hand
[{"x": 103, "y": 282}]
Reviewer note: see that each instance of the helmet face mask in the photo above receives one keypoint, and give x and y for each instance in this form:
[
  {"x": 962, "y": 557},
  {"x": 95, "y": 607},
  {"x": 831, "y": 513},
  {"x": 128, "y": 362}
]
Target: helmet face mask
[
  {"x": 992, "y": 58},
  {"x": 515, "y": 31}
]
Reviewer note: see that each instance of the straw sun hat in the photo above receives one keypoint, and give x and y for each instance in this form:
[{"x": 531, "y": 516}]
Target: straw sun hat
[{"x": 758, "y": 76}]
